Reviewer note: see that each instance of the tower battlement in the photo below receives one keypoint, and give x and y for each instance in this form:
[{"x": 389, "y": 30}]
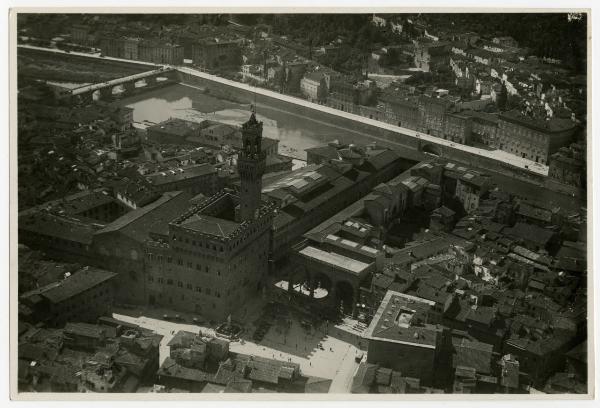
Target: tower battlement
[{"x": 251, "y": 167}]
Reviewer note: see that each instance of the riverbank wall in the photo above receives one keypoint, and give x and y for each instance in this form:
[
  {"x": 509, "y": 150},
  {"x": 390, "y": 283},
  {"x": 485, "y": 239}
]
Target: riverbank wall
[
  {"x": 407, "y": 146},
  {"x": 360, "y": 130}
]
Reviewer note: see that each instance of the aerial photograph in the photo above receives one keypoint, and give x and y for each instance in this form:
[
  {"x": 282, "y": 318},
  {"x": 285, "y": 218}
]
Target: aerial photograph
[{"x": 342, "y": 203}]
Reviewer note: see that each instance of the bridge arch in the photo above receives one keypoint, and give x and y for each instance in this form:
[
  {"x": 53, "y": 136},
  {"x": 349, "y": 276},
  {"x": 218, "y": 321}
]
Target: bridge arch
[
  {"x": 431, "y": 149},
  {"x": 96, "y": 95},
  {"x": 140, "y": 83},
  {"x": 323, "y": 285}
]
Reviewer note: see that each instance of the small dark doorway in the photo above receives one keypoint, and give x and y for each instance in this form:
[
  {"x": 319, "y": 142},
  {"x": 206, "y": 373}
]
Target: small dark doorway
[{"x": 344, "y": 297}]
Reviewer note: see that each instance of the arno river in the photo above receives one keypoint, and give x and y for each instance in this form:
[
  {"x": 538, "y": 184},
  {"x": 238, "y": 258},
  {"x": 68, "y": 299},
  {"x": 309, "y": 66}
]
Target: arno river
[{"x": 294, "y": 132}]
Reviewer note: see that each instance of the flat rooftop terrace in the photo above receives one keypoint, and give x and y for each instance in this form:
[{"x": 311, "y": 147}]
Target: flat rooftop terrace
[
  {"x": 335, "y": 260},
  {"x": 400, "y": 319}
]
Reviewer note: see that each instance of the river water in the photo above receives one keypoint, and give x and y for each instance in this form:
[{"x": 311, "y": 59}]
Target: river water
[{"x": 294, "y": 132}]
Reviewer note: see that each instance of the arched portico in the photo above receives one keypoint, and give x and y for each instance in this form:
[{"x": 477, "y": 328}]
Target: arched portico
[
  {"x": 323, "y": 286},
  {"x": 300, "y": 280},
  {"x": 339, "y": 290},
  {"x": 344, "y": 297}
]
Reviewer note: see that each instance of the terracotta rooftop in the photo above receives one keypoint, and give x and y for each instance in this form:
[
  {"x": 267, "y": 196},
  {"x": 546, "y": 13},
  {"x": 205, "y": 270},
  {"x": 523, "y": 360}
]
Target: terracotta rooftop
[{"x": 72, "y": 286}]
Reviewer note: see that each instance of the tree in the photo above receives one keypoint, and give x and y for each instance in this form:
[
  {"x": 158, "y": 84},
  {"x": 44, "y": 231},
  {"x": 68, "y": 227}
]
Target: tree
[
  {"x": 419, "y": 78},
  {"x": 391, "y": 59},
  {"x": 514, "y": 102}
]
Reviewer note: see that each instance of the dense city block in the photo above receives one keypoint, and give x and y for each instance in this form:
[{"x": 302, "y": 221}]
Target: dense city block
[{"x": 280, "y": 203}]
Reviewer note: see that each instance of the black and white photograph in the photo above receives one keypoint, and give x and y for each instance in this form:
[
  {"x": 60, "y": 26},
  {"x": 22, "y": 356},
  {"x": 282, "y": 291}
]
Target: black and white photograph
[{"x": 383, "y": 203}]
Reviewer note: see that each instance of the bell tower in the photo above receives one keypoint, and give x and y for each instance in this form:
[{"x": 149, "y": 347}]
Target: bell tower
[{"x": 251, "y": 167}]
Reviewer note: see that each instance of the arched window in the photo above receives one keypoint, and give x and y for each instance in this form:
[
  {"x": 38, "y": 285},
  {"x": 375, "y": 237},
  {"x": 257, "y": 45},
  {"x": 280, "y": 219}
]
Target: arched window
[{"x": 133, "y": 254}]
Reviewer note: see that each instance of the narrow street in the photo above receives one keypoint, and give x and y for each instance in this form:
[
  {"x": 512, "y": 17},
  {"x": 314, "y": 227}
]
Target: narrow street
[{"x": 342, "y": 381}]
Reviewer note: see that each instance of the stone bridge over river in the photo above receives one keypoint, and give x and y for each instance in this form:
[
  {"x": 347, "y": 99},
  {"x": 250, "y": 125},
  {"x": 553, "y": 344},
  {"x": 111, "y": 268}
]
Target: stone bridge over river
[{"x": 528, "y": 177}]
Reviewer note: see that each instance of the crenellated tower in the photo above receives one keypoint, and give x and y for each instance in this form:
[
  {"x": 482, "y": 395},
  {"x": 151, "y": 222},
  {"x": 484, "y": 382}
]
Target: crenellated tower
[{"x": 251, "y": 167}]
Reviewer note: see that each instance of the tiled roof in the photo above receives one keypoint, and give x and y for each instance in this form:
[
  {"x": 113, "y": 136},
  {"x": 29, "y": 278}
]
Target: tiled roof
[
  {"x": 579, "y": 352},
  {"x": 75, "y": 203},
  {"x": 364, "y": 378},
  {"x": 228, "y": 371},
  {"x": 530, "y": 232},
  {"x": 84, "y": 329},
  {"x": 552, "y": 125},
  {"x": 382, "y": 281},
  {"x": 445, "y": 211},
  {"x": 267, "y": 370},
  {"x": 176, "y": 126},
  {"x": 182, "y": 338},
  {"x": 561, "y": 383},
  {"x": 138, "y": 192},
  {"x": 315, "y": 76},
  {"x": 381, "y": 158},
  {"x": 317, "y": 385},
  {"x": 327, "y": 152},
  {"x": 210, "y": 225},
  {"x": 179, "y": 174},
  {"x": 58, "y": 372},
  {"x": 36, "y": 352},
  {"x": 57, "y": 226},
  {"x": 383, "y": 376},
  {"x": 473, "y": 354},
  {"x": 170, "y": 368},
  {"x": 155, "y": 216},
  {"x": 397, "y": 383},
  {"x": 535, "y": 213},
  {"x": 239, "y": 385},
  {"x": 210, "y": 388},
  {"x": 75, "y": 284}
]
